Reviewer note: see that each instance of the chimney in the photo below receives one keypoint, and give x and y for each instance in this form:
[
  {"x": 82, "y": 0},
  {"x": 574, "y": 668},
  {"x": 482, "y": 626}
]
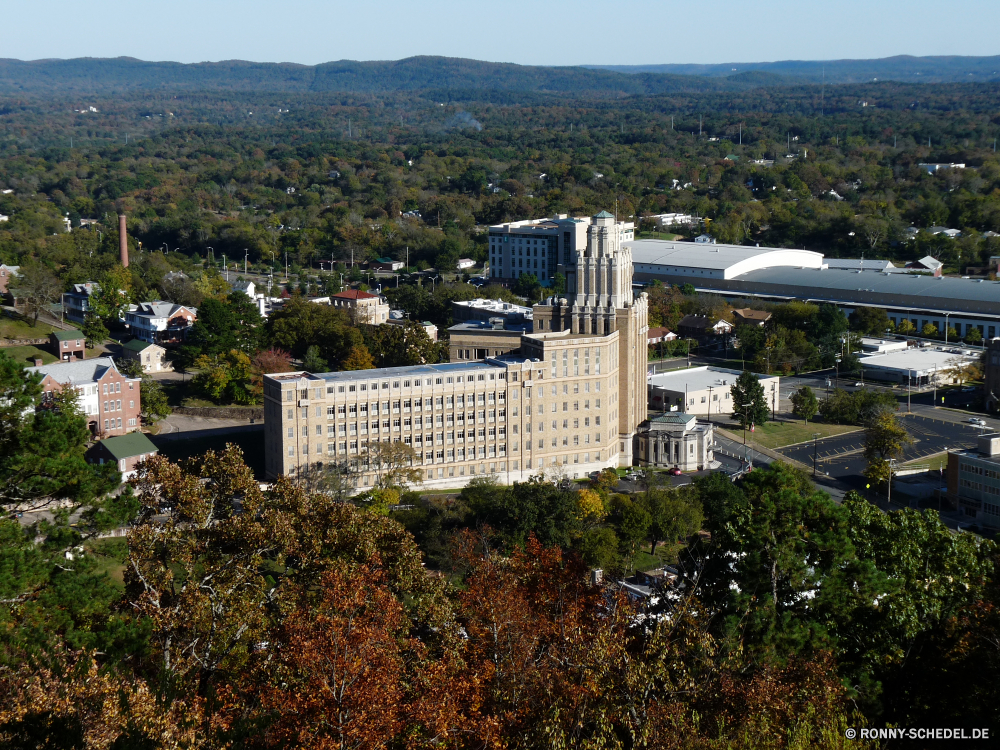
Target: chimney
[
  {"x": 123, "y": 240},
  {"x": 38, "y": 362}
]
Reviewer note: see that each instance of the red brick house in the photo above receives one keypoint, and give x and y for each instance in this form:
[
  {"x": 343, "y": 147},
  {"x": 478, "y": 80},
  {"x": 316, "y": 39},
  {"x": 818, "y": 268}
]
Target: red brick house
[
  {"x": 109, "y": 399},
  {"x": 68, "y": 345}
]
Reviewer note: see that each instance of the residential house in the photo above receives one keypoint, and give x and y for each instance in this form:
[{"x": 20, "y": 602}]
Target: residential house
[
  {"x": 125, "y": 450},
  {"x": 750, "y": 317},
  {"x": 705, "y": 239},
  {"x": 656, "y": 335},
  {"x": 700, "y": 326},
  {"x": 6, "y": 274},
  {"x": 465, "y": 263},
  {"x": 953, "y": 233},
  {"x": 68, "y": 345},
  {"x": 76, "y": 302},
  {"x": 246, "y": 286},
  {"x": 160, "y": 322},
  {"x": 364, "y": 307},
  {"x": 151, "y": 357},
  {"x": 108, "y": 399}
]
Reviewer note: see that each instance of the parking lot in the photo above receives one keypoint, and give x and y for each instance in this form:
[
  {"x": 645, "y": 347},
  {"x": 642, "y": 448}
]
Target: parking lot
[{"x": 842, "y": 456}]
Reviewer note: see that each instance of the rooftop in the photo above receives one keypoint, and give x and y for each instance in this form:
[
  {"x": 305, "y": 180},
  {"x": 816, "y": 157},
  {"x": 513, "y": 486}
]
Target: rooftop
[
  {"x": 698, "y": 378},
  {"x": 731, "y": 259},
  {"x": 136, "y": 345},
  {"x": 919, "y": 359},
  {"x": 447, "y": 368},
  {"x": 78, "y": 371},
  {"x": 160, "y": 309},
  {"x": 69, "y": 335},
  {"x": 919, "y": 291},
  {"x": 127, "y": 446},
  {"x": 673, "y": 417},
  {"x": 355, "y": 294}
]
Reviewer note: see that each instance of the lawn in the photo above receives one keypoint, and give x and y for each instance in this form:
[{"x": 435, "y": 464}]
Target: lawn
[
  {"x": 26, "y": 354},
  {"x": 16, "y": 328},
  {"x": 111, "y": 555},
  {"x": 784, "y": 433}
]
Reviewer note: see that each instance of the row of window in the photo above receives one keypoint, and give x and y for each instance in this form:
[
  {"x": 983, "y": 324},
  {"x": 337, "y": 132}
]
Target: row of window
[
  {"x": 110, "y": 388},
  {"x": 117, "y": 405},
  {"x": 482, "y": 433},
  {"x": 456, "y": 454}
]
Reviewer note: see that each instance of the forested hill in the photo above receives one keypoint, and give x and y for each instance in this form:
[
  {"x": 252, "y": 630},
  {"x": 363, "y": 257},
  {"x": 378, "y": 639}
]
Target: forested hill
[
  {"x": 412, "y": 74},
  {"x": 903, "y": 68}
]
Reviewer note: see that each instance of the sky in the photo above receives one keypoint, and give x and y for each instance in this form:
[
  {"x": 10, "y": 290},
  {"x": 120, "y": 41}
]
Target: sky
[{"x": 543, "y": 32}]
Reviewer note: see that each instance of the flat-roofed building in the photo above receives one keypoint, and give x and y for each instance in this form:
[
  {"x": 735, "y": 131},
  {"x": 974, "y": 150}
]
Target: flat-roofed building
[
  {"x": 567, "y": 401},
  {"x": 917, "y": 365},
  {"x": 539, "y": 246},
  {"x": 974, "y": 481},
  {"x": 479, "y": 339},
  {"x": 702, "y": 391}
]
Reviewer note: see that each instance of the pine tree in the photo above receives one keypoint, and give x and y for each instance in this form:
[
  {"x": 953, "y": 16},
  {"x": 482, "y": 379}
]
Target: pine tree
[{"x": 749, "y": 400}]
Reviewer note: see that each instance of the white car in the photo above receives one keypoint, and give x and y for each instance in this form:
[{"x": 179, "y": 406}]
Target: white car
[
  {"x": 977, "y": 421},
  {"x": 859, "y": 385}
]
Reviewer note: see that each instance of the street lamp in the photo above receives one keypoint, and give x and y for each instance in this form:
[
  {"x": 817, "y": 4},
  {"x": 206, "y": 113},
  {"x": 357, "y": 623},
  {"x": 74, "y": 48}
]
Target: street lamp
[{"x": 815, "y": 448}]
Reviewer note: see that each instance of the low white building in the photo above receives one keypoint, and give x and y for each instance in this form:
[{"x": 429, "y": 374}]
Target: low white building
[
  {"x": 882, "y": 346},
  {"x": 917, "y": 365},
  {"x": 675, "y": 440},
  {"x": 702, "y": 391},
  {"x": 464, "y": 263}
]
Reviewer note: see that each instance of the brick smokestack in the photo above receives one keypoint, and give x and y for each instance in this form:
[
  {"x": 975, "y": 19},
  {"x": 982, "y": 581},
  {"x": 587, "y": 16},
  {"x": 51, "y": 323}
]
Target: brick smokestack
[{"x": 123, "y": 240}]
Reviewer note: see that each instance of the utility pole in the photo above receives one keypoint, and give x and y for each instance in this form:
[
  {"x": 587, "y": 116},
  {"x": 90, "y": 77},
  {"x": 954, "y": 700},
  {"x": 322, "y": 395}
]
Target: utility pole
[
  {"x": 774, "y": 402},
  {"x": 286, "y": 265},
  {"x": 815, "y": 448},
  {"x": 246, "y": 255},
  {"x": 710, "y": 388},
  {"x": 889, "y": 493},
  {"x": 908, "y": 378},
  {"x": 225, "y": 265}
]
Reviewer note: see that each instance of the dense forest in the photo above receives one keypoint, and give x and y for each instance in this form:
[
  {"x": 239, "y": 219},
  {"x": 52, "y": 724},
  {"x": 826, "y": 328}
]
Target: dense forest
[{"x": 296, "y": 615}]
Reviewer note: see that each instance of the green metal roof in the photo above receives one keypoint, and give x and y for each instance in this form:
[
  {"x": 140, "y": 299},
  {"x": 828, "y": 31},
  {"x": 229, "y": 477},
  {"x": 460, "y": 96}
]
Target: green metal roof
[
  {"x": 71, "y": 334},
  {"x": 136, "y": 345},
  {"x": 126, "y": 446},
  {"x": 604, "y": 215},
  {"x": 673, "y": 417}
]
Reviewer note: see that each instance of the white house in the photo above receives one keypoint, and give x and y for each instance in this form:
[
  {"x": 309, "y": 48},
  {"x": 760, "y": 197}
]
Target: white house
[
  {"x": 464, "y": 263},
  {"x": 160, "y": 322}
]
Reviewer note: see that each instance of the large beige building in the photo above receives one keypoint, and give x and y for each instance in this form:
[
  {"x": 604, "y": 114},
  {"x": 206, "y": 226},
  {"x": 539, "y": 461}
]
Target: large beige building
[{"x": 568, "y": 402}]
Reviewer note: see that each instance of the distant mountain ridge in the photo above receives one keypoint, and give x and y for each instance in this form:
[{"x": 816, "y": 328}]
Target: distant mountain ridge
[
  {"x": 437, "y": 74},
  {"x": 902, "y": 68},
  {"x": 348, "y": 76}
]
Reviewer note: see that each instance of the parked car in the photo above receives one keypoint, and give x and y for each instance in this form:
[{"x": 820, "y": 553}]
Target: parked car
[
  {"x": 977, "y": 421},
  {"x": 674, "y": 472},
  {"x": 859, "y": 385}
]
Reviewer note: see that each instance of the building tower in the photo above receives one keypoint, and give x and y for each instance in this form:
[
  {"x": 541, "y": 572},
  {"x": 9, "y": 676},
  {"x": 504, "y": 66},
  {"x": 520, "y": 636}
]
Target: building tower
[
  {"x": 599, "y": 301},
  {"x": 123, "y": 240}
]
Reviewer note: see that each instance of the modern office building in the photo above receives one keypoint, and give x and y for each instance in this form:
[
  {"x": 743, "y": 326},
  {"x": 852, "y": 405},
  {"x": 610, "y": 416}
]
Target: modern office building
[
  {"x": 539, "y": 246},
  {"x": 569, "y": 400},
  {"x": 974, "y": 481}
]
